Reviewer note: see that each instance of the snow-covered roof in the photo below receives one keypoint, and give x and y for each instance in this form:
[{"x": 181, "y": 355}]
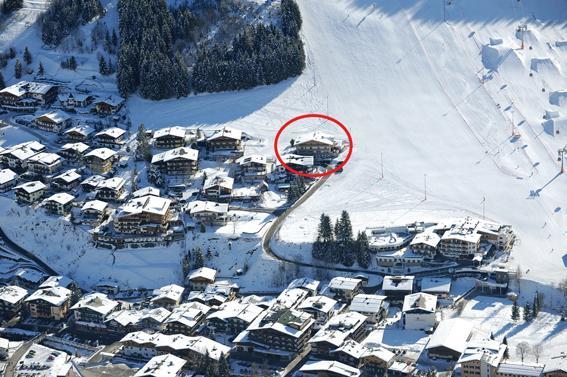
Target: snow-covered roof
[
  {"x": 236, "y": 310},
  {"x": 94, "y": 205},
  {"x": 330, "y": 367},
  {"x": 397, "y": 283},
  {"x": 82, "y": 129},
  {"x": 179, "y": 342},
  {"x": 428, "y": 238},
  {"x": 45, "y": 158},
  {"x": 12, "y": 294},
  {"x": 289, "y": 322},
  {"x": 30, "y": 274},
  {"x": 77, "y": 147},
  {"x": 156, "y": 314},
  {"x": 365, "y": 303},
  {"x": 170, "y": 131},
  {"x": 203, "y": 273},
  {"x": 112, "y": 132},
  {"x": 93, "y": 180},
  {"x": 420, "y": 301},
  {"x": 491, "y": 351},
  {"x": 436, "y": 285},
  {"x": 125, "y": 317},
  {"x": 97, "y": 302},
  {"x": 111, "y": 100},
  {"x": 23, "y": 151},
  {"x": 31, "y": 187},
  {"x": 321, "y": 304},
  {"x": 56, "y": 296},
  {"x": 146, "y": 191},
  {"x": 24, "y": 87},
  {"x": 298, "y": 160},
  {"x": 452, "y": 334},
  {"x": 102, "y": 153},
  {"x": 7, "y": 175},
  {"x": 344, "y": 283},
  {"x": 253, "y": 159},
  {"x": 162, "y": 366},
  {"x": 61, "y": 198},
  {"x": 69, "y": 176},
  {"x": 56, "y": 116},
  {"x": 199, "y": 206},
  {"x": 114, "y": 183},
  {"x": 318, "y": 137},
  {"x": 171, "y": 292},
  {"x": 145, "y": 204},
  {"x": 228, "y": 132},
  {"x": 517, "y": 369},
  {"x": 463, "y": 230},
  {"x": 557, "y": 363},
  {"x": 339, "y": 328},
  {"x": 290, "y": 297},
  {"x": 188, "y": 314},
  {"x": 57, "y": 281},
  {"x": 219, "y": 180},
  {"x": 182, "y": 152},
  {"x": 305, "y": 283}
]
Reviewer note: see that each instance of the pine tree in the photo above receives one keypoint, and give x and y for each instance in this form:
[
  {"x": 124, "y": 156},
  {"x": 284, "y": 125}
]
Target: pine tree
[
  {"x": 527, "y": 314},
  {"x": 27, "y": 56},
  {"x": 114, "y": 38},
  {"x": 535, "y": 308},
  {"x": 291, "y": 17},
  {"x": 41, "y": 70},
  {"x": 224, "y": 367},
  {"x": 143, "y": 150},
  {"x": 134, "y": 180},
  {"x": 198, "y": 261},
  {"x": 2, "y": 82},
  {"x": 515, "y": 312},
  {"x": 362, "y": 249},
  {"x": 18, "y": 69},
  {"x": 102, "y": 69},
  {"x": 72, "y": 63}
]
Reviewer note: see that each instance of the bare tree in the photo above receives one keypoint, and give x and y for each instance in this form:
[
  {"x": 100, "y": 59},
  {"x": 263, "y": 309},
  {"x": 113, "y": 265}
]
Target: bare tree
[
  {"x": 537, "y": 351},
  {"x": 522, "y": 349}
]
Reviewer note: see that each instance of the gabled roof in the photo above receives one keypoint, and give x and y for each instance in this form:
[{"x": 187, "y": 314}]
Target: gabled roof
[
  {"x": 253, "y": 159},
  {"x": 31, "y": 187},
  {"x": 95, "y": 205},
  {"x": 54, "y": 295},
  {"x": 77, "y": 147},
  {"x": 175, "y": 131},
  {"x": 102, "y": 153},
  {"x": 45, "y": 158},
  {"x": 82, "y": 129},
  {"x": 111, "y": 100},
  {"x": 97, "y": 302},
  {"x": 365, "y": 303},
  {"x": 172, "y": 154},
  {"x": 115, "y": 183},
  {"x": 171, "y": 292},
  {"x": 199, "y": 206},
  {"x": 56, "y": 116},
  {"x": 162, "y": 366},
  {"x": 24, "y": 87},
  {"x": 202, "y": 273},
  {"x": 7, "y": 175},
  {"x": 236, "y": 310},
  {"x": 61, "y": 198},
  {"x": 219, "y": 180},
  {"x": 145, "y": 204},
  {"x": 317, "y": 137},
  {"x": 420, "y": 302},
  {"x": 69, "y": 176},
  {"x": 330, "y": 367},
  {"x": 146, "y": 191},
  {"x": 12, "y": 294},
  {"x": 57, "y": 281},
  {"x": 113, "y": 132},
  {"x": 344, "y": 283},
  {"x": 226, "y": 132},
  {"x": 452, "y": 334}
]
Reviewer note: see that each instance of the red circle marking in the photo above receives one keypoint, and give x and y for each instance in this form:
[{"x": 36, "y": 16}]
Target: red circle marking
[{"x": 320, "y": 116}]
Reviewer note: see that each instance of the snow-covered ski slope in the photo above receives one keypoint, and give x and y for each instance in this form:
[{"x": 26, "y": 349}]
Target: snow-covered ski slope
[{"x": 408, "y": 85}]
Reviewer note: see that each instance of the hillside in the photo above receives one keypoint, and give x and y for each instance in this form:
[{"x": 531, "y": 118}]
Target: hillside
[{"x": 408, "y": 85}]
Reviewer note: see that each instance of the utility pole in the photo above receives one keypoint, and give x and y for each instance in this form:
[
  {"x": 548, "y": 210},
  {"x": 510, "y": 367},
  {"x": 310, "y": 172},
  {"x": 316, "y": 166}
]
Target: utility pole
[
  {"x": 483, "y": 204},
  {"x": 561, "y": 156},
  {"x": 381, "y": 166},
  {"x": 424, "y": 186}
]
